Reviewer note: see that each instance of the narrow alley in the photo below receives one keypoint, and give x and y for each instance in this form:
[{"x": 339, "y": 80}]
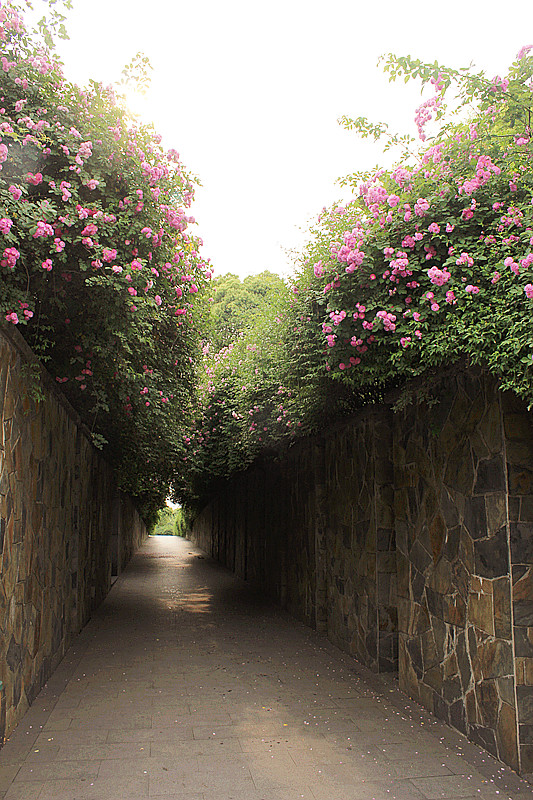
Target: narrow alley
[{"x": 187, "y": 686}]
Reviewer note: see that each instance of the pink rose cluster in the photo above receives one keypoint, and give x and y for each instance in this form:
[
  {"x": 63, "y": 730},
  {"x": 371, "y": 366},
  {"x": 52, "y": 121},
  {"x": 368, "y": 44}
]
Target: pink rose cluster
[
  {"x": 10, "y": 257},
  {"x": 438, "y": 277}
]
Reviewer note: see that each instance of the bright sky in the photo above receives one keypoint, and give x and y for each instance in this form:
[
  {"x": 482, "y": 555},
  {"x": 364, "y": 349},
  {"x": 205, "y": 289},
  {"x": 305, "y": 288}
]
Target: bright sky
[{"x": 249, "y": 93}]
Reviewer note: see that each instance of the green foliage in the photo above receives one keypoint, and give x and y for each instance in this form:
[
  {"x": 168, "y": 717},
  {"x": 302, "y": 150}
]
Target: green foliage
[
  {"x": 258, "y": 395},
  {"x": 170, "y": 522},
  {"x": 97, "y": 264},
  {"x": 237, "y": 306}
]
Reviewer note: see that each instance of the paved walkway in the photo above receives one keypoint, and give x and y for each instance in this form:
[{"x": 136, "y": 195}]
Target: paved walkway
[{"x": 186, "y": 686}]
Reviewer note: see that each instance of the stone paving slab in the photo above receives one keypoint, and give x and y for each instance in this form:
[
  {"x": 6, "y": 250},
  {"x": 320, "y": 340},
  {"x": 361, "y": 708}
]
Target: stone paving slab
[{"x": 187, "y": 686}]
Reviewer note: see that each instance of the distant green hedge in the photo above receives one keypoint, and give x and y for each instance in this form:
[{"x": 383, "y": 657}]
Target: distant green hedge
[{"x": 170, "y": 522}]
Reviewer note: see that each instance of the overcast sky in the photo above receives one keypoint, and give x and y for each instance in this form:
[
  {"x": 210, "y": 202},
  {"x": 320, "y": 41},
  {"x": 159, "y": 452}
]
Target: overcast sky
[{"x": 249, "y": 93}]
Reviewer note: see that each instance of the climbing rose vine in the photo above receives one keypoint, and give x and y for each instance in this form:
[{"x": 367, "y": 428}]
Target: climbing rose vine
[
  {"x": 431, "y": 261},
  {"x": 99, "y": 270}
]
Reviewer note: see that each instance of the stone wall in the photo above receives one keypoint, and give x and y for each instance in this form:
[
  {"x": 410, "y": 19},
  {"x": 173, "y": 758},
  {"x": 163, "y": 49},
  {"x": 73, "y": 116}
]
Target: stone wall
[
  {"x": 314, "y": 531},
  {"x": 454, "y": 582},
  {"x": 360, "y": 552},
  {"x": 519, "y": 467},
  {"x": 408, "y": 539},
  {"x": 267, "y": 533},
  {"x": 57, "y": 497}
]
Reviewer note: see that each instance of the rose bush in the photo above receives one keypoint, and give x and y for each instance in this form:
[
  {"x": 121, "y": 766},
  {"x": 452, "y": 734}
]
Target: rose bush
[
  {"x": 98, "y": 268},
  {"x": 432, "y": 261}
]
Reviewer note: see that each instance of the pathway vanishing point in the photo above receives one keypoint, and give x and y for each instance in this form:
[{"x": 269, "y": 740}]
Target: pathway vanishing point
[{"x": 187, "y": 686}]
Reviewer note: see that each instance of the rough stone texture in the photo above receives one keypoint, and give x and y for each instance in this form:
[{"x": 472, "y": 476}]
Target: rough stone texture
[
  {"x": 408, "y": 539},
  {"x": 56, "y": 524},
  {"x": 519, "y": 456},
  {"x": 456, "y": 642},
  {"x": 360, "y": 543}
]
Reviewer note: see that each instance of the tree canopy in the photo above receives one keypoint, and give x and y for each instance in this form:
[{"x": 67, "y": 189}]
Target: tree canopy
[{"x": 237, "y": 306}]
